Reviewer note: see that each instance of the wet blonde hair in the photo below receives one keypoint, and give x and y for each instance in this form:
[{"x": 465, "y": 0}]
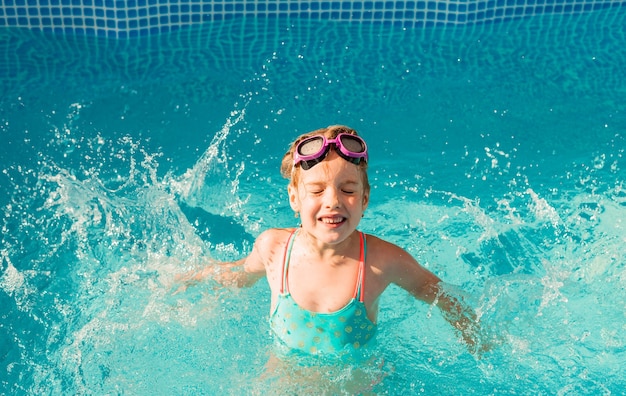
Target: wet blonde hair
[{"x": 292, "y": 173}]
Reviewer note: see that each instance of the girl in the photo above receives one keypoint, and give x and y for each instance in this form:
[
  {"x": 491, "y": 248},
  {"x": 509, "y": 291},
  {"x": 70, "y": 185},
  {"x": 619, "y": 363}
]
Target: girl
[{"x": 326, "y": 277}]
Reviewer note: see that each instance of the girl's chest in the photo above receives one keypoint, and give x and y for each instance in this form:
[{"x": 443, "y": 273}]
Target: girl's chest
[{"x": 320, "y": 288}]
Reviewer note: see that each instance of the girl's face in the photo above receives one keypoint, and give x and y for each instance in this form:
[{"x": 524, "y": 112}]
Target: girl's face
[{"x": 330, "y": 198}]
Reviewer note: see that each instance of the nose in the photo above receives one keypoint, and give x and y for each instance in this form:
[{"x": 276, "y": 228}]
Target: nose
[{"x": 331, "y": 198}]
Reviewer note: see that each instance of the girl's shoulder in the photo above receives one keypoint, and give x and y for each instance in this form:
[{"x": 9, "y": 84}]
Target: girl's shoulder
[
  {"x": 269, "y": 246},
  {"x": 277, "y": 233},
  {"x": 386, "y": 254},
  {"x": 380, "y": 246},
  {"x": 273, "y": 237}
]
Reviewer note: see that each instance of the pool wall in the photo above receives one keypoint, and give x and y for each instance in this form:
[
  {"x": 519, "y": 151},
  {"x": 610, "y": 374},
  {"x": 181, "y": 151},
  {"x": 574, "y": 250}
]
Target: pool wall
[{"x": 131, "y": 18}]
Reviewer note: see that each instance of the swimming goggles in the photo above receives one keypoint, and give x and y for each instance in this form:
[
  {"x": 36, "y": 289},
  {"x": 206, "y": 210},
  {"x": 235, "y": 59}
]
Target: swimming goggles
[{"x": 311, "y": 151}]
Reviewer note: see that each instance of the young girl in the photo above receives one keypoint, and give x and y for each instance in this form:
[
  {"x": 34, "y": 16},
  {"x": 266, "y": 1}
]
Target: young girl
[{"x": 326, "y": 277}]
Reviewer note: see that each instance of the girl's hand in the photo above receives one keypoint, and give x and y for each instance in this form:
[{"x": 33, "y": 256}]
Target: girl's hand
[{"x": 192, "y": 278}]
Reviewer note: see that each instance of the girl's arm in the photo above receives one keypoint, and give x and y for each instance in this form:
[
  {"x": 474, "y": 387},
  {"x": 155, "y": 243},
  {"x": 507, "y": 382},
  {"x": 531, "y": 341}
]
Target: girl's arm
[
  {"x": 426, "y": 286},
  {"x": 229, "y": 274},
  {"x": 462, "y": 317},
  {"x": 241, "y": 273}
]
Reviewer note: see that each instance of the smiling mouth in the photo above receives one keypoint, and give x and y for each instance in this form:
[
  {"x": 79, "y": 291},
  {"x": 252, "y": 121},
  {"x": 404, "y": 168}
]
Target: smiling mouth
[{"x": 333, "y": 220}]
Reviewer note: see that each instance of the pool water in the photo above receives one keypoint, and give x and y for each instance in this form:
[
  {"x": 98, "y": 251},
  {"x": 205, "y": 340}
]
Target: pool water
[{"x": 496, "y": 159}]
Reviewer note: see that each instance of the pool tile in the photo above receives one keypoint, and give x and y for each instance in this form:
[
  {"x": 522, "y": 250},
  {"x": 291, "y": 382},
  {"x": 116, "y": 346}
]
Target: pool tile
[{"x": 131, "y": 18}]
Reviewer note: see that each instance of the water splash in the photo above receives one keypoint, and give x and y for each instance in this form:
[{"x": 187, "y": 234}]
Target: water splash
[
  {"x": 213, "y": 165},
  {"x": 94, "y": 237}
]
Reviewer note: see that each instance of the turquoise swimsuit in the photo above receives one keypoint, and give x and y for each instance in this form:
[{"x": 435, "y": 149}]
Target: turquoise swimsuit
[{"x": 317, "y": 332}]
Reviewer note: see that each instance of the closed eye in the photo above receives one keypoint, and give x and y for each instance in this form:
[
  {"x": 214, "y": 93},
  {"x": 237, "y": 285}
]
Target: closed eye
[
  {"x": 350, "y": 188},
  {"x": 316, "y": 191}
]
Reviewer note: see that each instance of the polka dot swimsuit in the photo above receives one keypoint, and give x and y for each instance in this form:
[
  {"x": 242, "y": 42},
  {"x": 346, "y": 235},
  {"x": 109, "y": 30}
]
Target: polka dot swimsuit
[{"x": 322, "y": 333}]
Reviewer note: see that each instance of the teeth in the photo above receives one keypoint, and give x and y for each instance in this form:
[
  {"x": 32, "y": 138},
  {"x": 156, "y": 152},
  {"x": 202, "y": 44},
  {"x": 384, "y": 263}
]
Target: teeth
[{"x": 333, "y": 220}]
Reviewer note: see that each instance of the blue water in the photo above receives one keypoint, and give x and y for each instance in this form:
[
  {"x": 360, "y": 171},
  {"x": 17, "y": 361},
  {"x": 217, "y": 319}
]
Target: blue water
[{"x": 497, "y": 160}]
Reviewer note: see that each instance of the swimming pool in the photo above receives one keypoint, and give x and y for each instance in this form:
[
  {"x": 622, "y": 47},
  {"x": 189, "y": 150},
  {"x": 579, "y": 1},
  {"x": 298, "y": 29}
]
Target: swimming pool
[{"x": 497, "y": 159}]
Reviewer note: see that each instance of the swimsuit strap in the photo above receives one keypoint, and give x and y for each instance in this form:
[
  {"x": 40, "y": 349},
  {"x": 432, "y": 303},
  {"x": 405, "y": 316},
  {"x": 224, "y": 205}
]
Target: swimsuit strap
[
  {"x": 358, "y": 293},
  {"x": 283, "y": 284}
]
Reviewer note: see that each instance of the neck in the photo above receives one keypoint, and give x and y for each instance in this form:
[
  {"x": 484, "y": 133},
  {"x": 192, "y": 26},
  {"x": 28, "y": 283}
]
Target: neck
[{"x": 328, "y": 252}]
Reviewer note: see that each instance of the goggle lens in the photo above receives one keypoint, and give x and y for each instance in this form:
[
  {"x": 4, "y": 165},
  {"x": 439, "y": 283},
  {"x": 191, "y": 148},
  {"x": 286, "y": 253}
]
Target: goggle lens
[
  {"x": 310, "y": 147},
  {"x": 353, "y": 144}
]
